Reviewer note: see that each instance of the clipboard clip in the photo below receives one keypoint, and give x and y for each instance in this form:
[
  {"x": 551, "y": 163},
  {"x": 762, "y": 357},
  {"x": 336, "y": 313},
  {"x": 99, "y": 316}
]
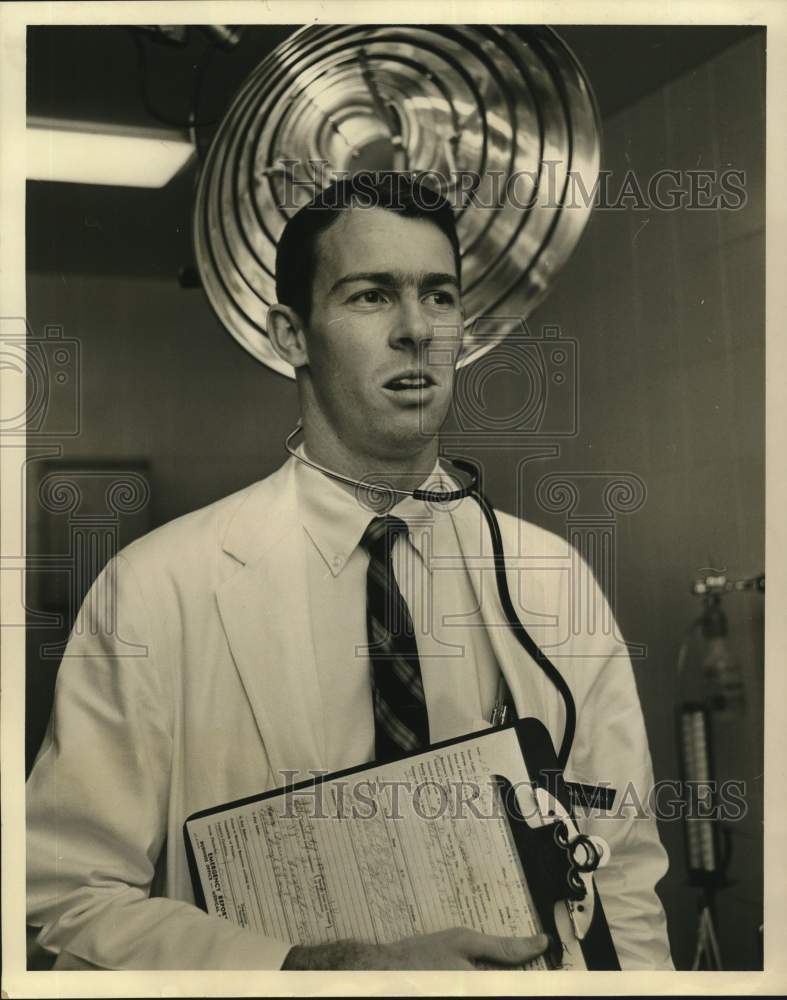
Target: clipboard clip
[
  {"x": 558, "y": 861},
  {"x": 584, "y": 853}
]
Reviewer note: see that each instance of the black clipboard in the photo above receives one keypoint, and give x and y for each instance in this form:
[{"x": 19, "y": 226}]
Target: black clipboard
[{"x": 543, "y": 861}]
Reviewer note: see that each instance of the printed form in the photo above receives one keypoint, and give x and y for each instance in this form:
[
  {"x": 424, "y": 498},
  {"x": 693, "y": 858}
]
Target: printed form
[{"x": 404, "y": 848}]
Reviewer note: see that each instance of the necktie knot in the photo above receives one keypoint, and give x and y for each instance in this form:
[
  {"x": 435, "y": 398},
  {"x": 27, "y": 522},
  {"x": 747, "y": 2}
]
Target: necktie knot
[{"x": 380, "y": 534}]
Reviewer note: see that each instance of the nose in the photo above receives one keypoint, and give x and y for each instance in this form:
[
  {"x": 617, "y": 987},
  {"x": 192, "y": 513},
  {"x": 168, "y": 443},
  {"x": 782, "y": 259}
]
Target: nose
[{"x": 413, "y": 326}]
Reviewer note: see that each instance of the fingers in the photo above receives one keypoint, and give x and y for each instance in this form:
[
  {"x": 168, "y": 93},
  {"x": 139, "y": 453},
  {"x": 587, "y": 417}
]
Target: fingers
[{"x": 503, "y": 950}]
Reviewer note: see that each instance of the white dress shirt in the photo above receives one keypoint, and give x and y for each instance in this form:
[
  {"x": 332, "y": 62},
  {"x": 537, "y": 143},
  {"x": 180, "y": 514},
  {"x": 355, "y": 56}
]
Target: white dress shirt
[{"x": 458, "y": 666}]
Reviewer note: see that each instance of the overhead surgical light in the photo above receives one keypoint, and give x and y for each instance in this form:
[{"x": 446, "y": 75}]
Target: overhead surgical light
[
  {"x": 94, "y": 153},
  {"x": 502, "y": 118}
]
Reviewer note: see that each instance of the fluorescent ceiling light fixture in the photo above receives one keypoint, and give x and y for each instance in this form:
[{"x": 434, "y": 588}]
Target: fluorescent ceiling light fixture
[{"x": 93, "y": 153}]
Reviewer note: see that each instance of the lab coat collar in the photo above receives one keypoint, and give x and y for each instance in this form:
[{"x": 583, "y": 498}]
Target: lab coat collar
[{"x": 265, "y": 515}]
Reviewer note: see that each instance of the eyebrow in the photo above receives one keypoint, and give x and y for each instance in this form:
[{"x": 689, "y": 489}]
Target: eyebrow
[{"x": 395, "y": 279}]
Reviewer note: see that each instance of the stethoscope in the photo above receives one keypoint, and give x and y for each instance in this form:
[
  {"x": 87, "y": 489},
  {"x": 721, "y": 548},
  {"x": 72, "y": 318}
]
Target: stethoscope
[{"x": 472, "y": 489}]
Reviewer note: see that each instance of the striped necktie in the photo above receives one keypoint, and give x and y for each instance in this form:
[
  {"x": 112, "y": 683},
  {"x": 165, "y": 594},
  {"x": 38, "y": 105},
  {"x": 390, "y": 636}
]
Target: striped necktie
[{"x": 401, "y": 723}]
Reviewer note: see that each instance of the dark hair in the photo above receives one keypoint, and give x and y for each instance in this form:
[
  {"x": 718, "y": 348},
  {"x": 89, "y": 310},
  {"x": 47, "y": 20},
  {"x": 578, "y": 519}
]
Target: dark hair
[{"x": 404, "y": 193}]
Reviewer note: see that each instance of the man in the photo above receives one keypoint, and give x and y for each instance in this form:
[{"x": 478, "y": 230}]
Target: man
[{"x": 242, "y": 645}]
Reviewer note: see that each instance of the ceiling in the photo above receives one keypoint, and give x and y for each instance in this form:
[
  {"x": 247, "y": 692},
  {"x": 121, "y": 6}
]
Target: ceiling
[{"x": 116, "y": 75}]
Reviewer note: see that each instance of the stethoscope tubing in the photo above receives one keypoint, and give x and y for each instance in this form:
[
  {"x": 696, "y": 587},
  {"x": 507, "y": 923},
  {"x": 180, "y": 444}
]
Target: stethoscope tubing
[{"x": 523, "y": 636}]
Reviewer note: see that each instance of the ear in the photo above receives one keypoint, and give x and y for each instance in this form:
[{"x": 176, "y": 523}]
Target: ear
[{"x": 288, "y": 335}]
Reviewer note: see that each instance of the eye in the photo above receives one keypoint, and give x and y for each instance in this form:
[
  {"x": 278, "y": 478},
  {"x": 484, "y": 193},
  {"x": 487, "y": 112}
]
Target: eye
[
  {"x": 369, "y": 297},
  {"x": 441, "y": 298}
]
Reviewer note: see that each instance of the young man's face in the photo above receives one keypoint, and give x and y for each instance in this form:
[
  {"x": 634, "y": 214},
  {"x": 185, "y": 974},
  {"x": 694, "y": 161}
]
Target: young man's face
[{"x": 385, "y": 330}]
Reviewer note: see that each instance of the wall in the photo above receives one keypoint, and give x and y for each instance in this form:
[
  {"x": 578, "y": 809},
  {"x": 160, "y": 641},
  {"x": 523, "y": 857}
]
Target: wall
[
  {"x": 162, "y": 379},
  {"x": 667, "y": 309}
]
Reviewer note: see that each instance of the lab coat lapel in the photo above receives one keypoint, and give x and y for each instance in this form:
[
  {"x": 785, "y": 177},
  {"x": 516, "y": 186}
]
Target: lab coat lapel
[
  {"x": 524, "y": 678},
  {"x": 264, "y": 610}
]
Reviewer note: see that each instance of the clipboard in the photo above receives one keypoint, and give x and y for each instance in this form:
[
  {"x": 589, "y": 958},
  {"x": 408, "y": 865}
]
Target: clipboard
[{"x": 556, "y": 861}]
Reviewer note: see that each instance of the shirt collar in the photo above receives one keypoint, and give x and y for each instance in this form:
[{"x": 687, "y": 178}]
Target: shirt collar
[{"x": 335, "y": 520}]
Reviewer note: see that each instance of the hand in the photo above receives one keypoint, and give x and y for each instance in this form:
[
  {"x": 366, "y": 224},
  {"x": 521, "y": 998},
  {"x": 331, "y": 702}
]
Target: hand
[{"x": 458, "y": 948}]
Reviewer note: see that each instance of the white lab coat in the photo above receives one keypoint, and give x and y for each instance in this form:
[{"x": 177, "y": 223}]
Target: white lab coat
[{"x": 190, "y": 680}]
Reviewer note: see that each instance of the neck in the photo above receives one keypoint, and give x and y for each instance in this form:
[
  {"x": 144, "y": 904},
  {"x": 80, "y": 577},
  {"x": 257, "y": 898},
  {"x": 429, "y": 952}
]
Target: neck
[{"x": 402, "y": 472}]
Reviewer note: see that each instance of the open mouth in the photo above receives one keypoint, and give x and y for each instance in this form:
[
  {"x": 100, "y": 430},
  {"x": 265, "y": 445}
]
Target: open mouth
[{"x": 409, "y": 381}]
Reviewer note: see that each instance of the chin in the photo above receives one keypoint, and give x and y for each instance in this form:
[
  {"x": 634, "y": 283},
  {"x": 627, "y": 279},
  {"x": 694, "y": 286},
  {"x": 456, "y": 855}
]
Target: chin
[
  {"x": 405, "y": 438},
  {"x": 399, "y": 434}
]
